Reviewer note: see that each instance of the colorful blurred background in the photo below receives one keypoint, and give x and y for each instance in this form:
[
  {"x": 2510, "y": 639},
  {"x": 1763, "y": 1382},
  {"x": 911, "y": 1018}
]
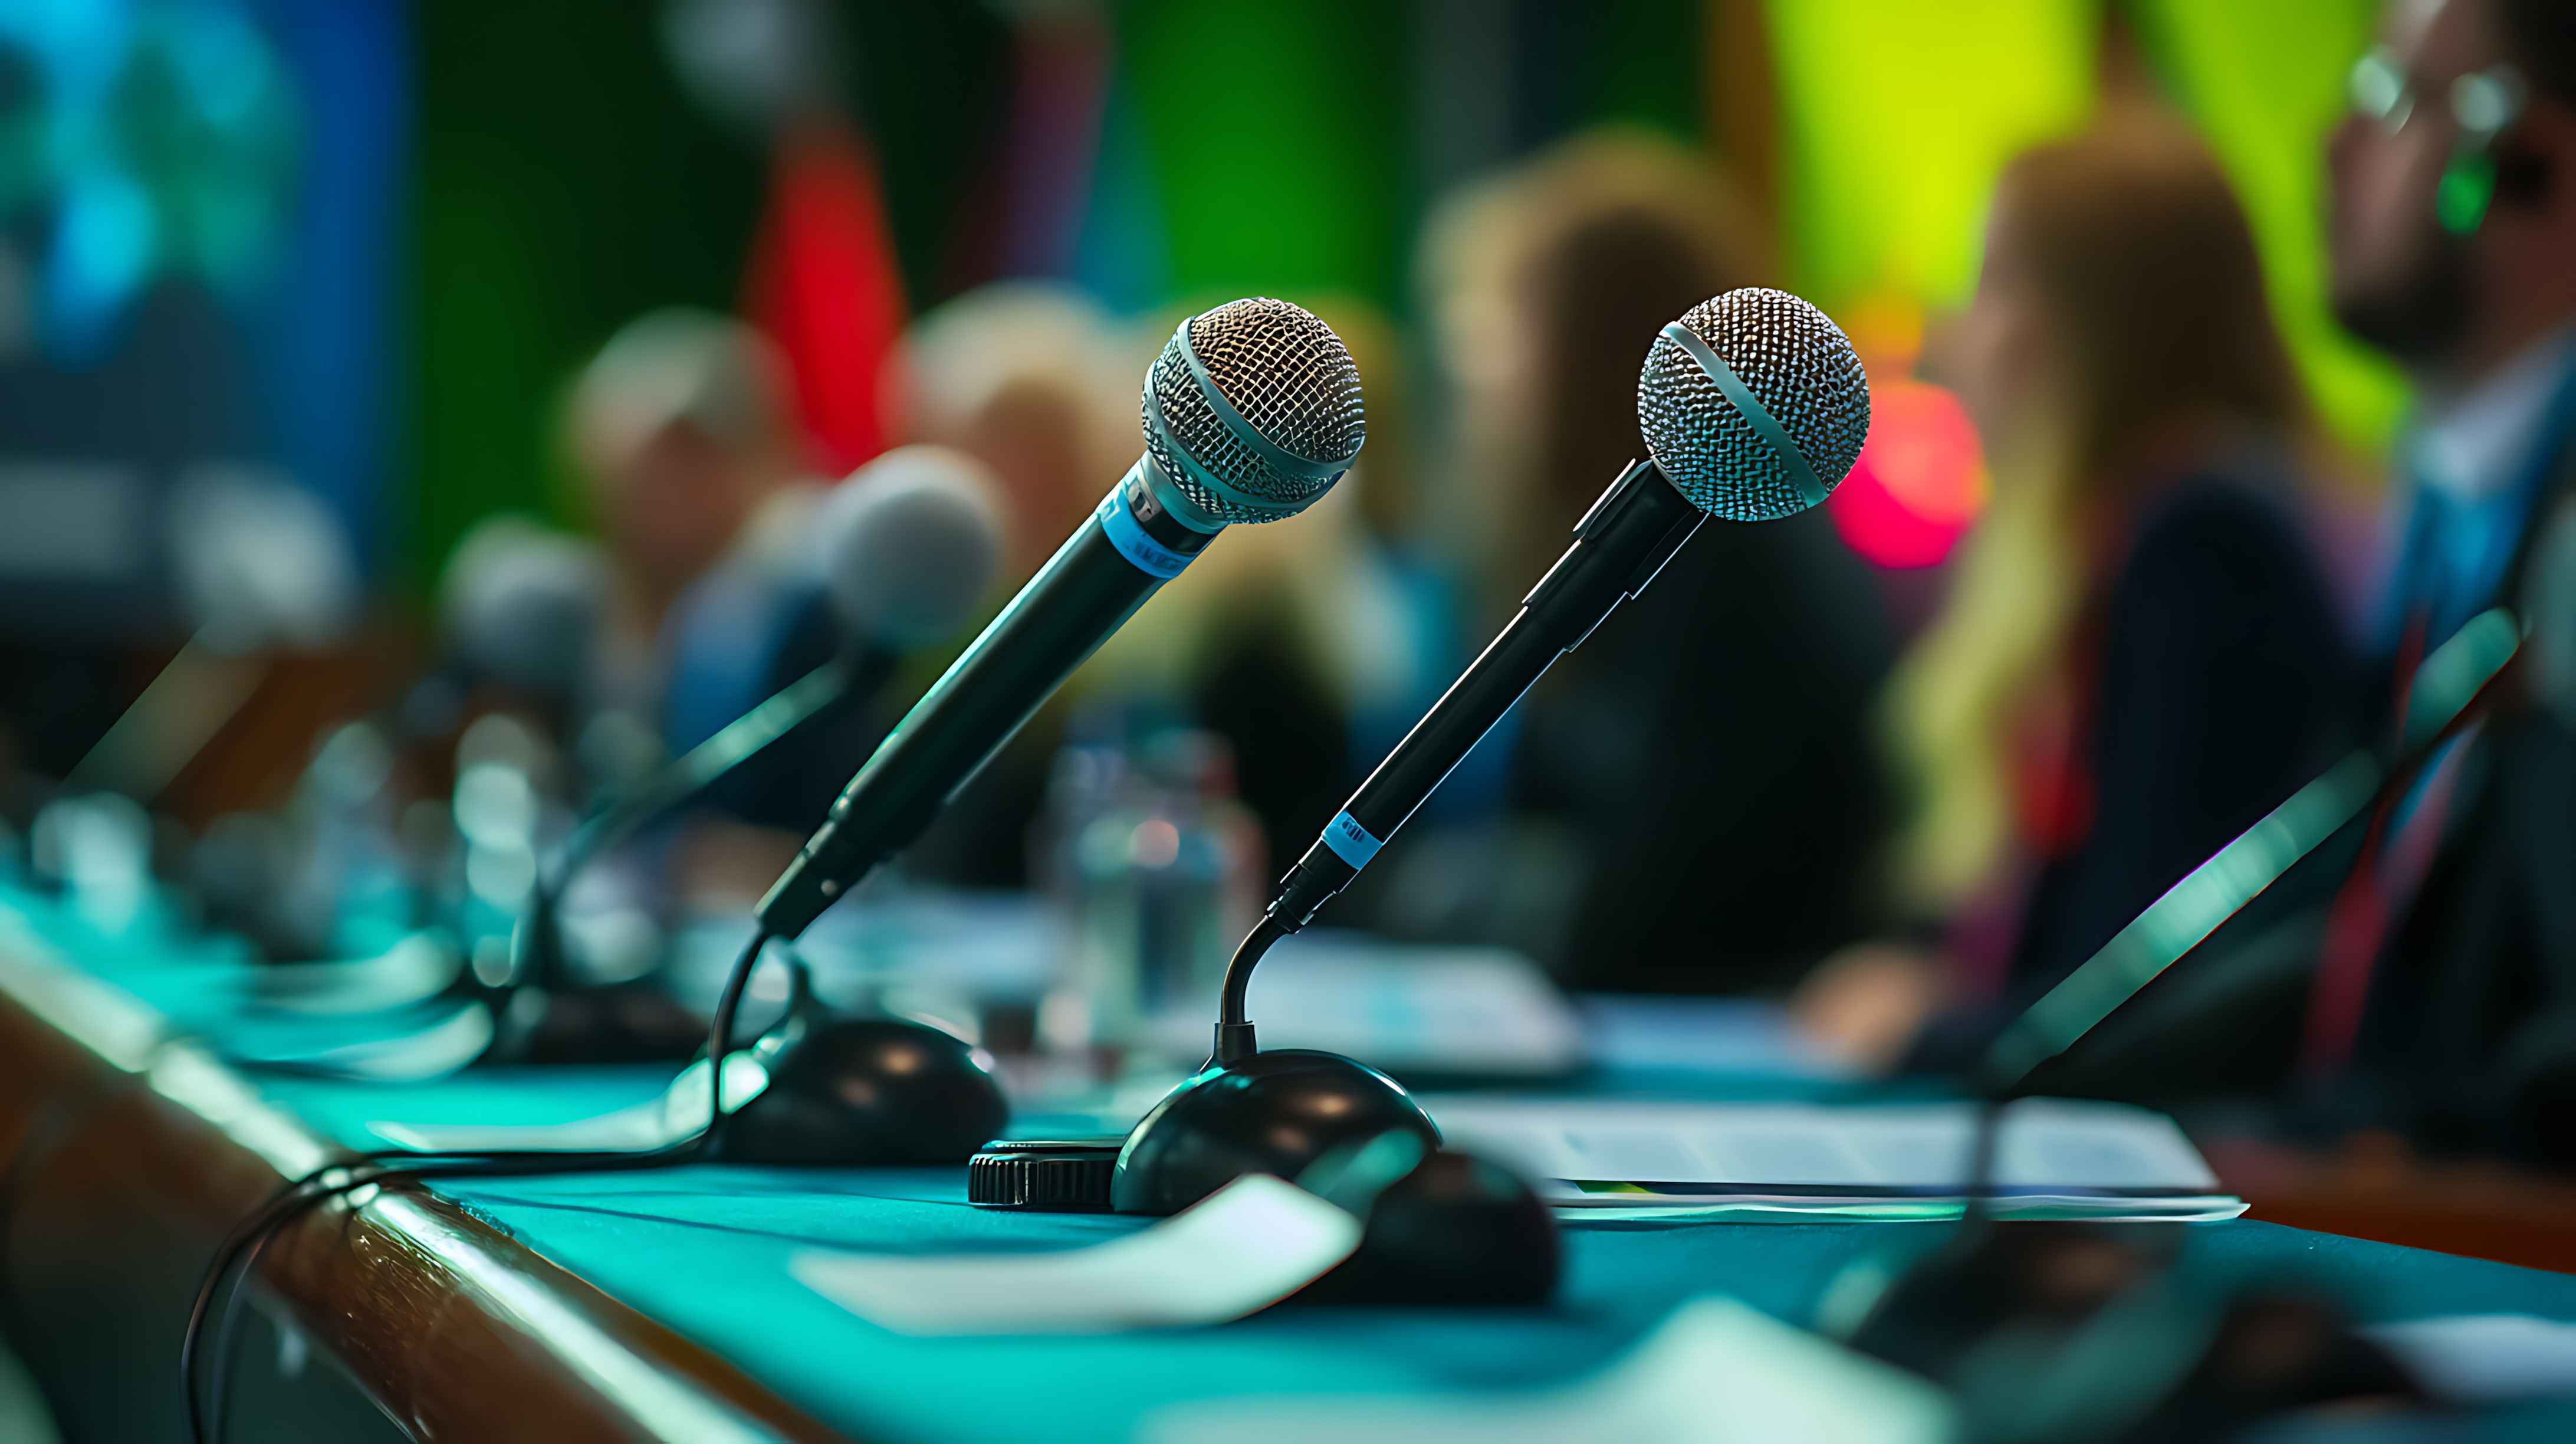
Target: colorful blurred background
[
  {"x": 366, "y": 243},
  {"x": 298, "y": 295}
]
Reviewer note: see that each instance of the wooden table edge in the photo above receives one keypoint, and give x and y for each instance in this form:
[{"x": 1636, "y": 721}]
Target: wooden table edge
[{"x": 453, "y": 1327}]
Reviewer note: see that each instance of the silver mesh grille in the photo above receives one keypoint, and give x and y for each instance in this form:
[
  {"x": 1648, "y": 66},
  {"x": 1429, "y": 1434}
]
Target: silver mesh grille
[
  {"x": 1286, "y": 374},
  {"x": 1795, "y": 362}
]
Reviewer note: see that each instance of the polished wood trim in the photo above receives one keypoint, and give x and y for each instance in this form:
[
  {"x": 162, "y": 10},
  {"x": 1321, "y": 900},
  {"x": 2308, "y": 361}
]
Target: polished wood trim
[
  {"x": 2374, "y": 1188},
  {"x": 456, "y": 1330}
]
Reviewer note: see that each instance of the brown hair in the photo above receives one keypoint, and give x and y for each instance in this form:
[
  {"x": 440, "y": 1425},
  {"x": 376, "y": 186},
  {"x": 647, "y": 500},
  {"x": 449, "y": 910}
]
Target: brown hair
[
  {"x": 1567, "y": 264},
  {"x": 2146, "y": 277},
  {"x": 2148, "y": 273}
]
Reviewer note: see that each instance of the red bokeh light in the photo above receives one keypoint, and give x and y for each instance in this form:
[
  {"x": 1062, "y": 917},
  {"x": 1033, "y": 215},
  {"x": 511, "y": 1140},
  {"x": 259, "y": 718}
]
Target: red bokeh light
[{"x": 1920, "y": 480}]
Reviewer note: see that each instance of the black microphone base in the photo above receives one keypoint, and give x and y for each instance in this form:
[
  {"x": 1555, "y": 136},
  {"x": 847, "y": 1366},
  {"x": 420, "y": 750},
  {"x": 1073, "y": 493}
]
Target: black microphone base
[
  {"x": 1456, "y": 1230},
  {"x": 1273, "y": 1112},
  {"x": 867, "y": 1092}
]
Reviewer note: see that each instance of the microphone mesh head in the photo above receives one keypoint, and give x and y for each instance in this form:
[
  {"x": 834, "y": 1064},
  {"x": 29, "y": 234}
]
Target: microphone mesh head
[
  {"x": 1287, "y": 375},
  {"x": 1796, "y": 363}
]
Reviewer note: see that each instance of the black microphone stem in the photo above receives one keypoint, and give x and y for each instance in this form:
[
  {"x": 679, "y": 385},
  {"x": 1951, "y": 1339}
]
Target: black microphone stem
[
  {"x": 1234, "y": 1038},
  {"x": 1619, "y": 546},
  {"x": 854, "y": 672},
  {"x": 1081, "y": 596}
]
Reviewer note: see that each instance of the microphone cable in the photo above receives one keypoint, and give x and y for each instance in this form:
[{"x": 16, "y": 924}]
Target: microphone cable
[{"x": 240, "y": 1250}]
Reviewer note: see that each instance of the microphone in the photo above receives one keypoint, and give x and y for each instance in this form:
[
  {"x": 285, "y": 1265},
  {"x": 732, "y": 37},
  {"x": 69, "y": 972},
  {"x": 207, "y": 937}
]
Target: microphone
[
  {"x": 523, "y": 606},
  {"x": 1754, "y": 407},
  {"x": 906, "y": 548},
  {"x": 912, "y": 539},
  {"x": 1251, "y": 412}
]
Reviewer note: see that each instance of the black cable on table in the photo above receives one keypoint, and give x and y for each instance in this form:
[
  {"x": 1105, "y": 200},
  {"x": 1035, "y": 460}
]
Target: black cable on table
[{"x": 242, "y": 1247}]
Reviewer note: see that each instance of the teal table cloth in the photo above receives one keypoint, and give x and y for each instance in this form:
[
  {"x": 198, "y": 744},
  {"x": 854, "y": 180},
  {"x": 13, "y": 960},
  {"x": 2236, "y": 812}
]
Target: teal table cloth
[{"x": 705, "y": 1249}]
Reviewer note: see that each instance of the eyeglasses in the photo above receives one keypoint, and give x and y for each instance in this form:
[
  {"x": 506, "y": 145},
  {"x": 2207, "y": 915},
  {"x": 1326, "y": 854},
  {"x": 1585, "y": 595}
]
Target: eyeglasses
[{"x": 2483, "y": 102}]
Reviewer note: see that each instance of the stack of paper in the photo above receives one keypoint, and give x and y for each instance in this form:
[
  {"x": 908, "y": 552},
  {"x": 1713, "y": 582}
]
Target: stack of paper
[{"x": 2055, "y": 1158}]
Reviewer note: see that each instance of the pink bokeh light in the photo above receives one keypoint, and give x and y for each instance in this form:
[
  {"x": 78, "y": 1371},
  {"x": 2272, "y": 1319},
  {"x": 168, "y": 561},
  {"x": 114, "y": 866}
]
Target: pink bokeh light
[{"x": 1919, "y": 483}]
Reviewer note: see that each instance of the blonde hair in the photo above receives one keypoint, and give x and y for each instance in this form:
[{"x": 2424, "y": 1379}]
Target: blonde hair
[
  {"x": 679, "y": 364},
  {"x": 2153, "y": 299}
]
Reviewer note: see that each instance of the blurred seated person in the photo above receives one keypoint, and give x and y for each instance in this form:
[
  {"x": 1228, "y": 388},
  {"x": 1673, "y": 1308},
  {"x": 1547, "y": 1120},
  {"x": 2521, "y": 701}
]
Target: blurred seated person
[
  {"x": 1691, "y": 800},
  {"x": 2446, "y": 1008},
  {"x": 696, "y": 473},
  {"x": 2137, "y": 657}
]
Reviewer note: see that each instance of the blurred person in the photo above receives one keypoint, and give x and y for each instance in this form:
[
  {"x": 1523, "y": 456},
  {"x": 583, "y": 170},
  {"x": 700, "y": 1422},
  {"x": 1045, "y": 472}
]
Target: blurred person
[
  {"x": 1036, "y": 381},
  {"x": 2138, "y": 657},
  {"x": 1693, "y": 803},
  {"x": 682, "y": 430},
  {"x": 2446, "y": 1000}
]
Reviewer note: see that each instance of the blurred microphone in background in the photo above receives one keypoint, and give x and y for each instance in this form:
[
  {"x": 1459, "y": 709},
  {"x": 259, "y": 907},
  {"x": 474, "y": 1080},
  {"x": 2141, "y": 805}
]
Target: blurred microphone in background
[
  {"x": 523, "y": 608},
  {"x": 900, "y": 556}
]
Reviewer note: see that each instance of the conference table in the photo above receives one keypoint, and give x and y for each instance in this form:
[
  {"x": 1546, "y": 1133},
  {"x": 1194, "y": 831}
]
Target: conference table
[{"x": 668, "y": 1304}]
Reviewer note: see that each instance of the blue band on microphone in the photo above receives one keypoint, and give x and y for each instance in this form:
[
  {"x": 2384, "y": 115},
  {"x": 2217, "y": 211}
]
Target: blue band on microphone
[
  {"x": 1350, "y": 842},
  {"x": 1128, "y": 535},
  {"x": 1802, "y": 475}
]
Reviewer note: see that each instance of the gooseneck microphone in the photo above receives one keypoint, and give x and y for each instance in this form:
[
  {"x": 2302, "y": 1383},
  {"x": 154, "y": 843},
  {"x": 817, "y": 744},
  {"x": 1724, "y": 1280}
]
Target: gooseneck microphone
[
  {"x": 1251, "y": 412},
  {"x": 906, "y": 548},
  {"x": 1753, "y": 406},
  {"x": 1746, "y": 440}
]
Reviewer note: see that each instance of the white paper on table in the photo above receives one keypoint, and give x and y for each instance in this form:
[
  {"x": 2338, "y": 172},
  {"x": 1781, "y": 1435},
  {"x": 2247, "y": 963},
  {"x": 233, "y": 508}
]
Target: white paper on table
[
  {"x": 1715, "y": 1372},
  {"x": 2074, "y": 1151},
  {"x": 2485, "y": 1358},
  {"x": 1246, "y": 1246}
]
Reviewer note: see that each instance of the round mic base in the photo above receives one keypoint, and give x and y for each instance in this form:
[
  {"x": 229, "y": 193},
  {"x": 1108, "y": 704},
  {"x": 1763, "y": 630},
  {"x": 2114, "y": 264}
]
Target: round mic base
[
  {"x": 865, "y": 1092},
  {"x": 1273, "y": 1112}
]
